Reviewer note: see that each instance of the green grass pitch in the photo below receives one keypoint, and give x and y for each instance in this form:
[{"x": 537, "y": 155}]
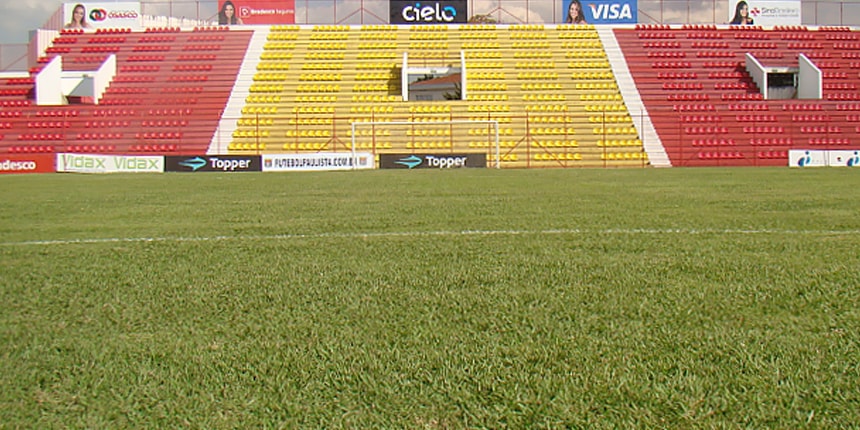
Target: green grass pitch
[{"x": 593, "y": 299}]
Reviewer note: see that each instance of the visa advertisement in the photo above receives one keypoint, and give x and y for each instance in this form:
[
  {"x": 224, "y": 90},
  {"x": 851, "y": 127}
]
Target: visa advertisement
[
  {"x": 241, "y": 12},
  {"x": 429, "y": 12},
  {"x": 90, "y": 16},
  {"x": 599, "y": 12},
  {"x": 764, "y": 12}
]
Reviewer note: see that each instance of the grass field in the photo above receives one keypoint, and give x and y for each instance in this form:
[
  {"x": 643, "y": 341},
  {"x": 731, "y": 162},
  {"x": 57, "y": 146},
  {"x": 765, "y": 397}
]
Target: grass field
[{"x": 595, "y": 299}]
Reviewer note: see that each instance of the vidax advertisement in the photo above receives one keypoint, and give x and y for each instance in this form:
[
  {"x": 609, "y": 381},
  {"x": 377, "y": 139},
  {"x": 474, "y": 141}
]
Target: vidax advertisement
[
  {"x": 317, "y": 162},
  {"x": 431, "y": 161},
  {"x": 90, "y": 163},
  {"x": 239, "y": 12},
  {"x": 599, "y": 12},
  {"x": 213, "y": 163},
  {"x": 90, "y": 16},
  {"x": 764, "y": 12},
  {"x": 34, "y": 163},
  {"x": 429, "y": 12}
]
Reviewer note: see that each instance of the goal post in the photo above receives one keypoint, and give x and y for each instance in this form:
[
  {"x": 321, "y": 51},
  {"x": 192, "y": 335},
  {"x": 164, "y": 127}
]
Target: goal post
[{"x": 434, "y": 137}]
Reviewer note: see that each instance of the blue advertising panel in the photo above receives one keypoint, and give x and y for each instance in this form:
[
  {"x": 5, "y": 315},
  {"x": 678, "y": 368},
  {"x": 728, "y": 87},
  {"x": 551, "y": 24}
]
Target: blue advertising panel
[{"x": 599, "y": 12}]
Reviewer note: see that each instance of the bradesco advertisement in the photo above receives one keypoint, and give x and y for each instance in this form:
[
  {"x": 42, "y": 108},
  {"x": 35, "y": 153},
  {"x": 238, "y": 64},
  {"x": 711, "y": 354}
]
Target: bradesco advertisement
[
  {"x": 93, "y": 15},
  {"x": 213, "y": 163},
  {"x": 35, "y": 163},
  {"x": 238, "y": 12},
  {"x": 431, "y": 161},
  {"x": 599, "y": 12},
  {"x": 90, "y": 163},
  {"x": 429, "y": 12},
  {"x": 317, "y": 162}
]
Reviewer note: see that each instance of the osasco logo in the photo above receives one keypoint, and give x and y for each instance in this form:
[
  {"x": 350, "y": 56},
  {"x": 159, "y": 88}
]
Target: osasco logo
[{"x": 98, "y": 14}]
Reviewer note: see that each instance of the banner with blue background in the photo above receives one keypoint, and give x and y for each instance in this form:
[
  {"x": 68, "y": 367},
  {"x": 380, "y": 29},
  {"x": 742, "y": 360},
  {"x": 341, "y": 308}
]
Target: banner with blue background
[{"x": 599, "y": 12}]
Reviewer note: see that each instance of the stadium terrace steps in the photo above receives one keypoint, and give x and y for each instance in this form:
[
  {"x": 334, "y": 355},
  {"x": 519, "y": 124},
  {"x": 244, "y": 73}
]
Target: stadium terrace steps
[
  {"x": 167, "y": 96},
  {"x": 227, "y": 125},
  {"x": 550, "y": 88},
  {"x": 708, "y": 111}
]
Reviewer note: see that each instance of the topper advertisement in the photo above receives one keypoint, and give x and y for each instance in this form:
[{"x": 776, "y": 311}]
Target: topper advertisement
[
  {"x": 599, "y": 12},
  {"x": 90, "y": 16},
  {"x": 213, "y": 163},
  {"x": 429, "y": 12},
  {"x": 431, "y": 161},
  {"x": 240, "y": 12}
]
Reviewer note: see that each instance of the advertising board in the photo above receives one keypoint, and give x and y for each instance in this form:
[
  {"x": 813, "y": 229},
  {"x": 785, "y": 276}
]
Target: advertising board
[
  {"x": 431, "y": 161},
  {"x": 429, "y": 12},
  {"x": 213, "y": 163},
  {"x": 29, "y": 163},
  {"x": 91, "y": 163},
  {"x": 317, "y": 161},
  {"x": 267, "y": 12},
  {"x": 599, "y": 12},
  {"x": 94, "y": 15}
]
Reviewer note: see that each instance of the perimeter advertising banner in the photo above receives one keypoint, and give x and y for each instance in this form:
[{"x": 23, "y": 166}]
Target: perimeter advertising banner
[
  {"x": 843, "y": 158},
  {"x": 764, "y": 12},
  {"x": 92, "y": 163},
  {"x": 33, "y": 163},
  {"x": 317, "y": 161},
  {"x": 807, "y": 158},
  {"x": 431, "y": 161},
  {"x": 94, "y": 15},
  {"x": 238, "y": 12},
  {"x": 213, "y": 163},
  {"x": 599, "y": 11},
  {"x": 429, "y": 12}
]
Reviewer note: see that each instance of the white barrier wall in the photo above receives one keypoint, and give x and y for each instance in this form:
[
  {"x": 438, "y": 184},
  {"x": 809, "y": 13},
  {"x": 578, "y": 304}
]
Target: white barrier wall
[{"x": 49, "y": 89}]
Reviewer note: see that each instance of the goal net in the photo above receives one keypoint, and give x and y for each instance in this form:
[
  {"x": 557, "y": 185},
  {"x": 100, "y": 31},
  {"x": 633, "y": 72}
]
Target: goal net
[{"x": 430, "y": 137}]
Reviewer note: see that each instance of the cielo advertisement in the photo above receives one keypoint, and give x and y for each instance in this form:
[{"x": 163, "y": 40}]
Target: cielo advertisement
[
  {"x": 213, "y": 163},
  {"x": 431, "y": 161},
  {"x": 239, "y": 12},
  {"x": 429, "y": 12},
  {"x": 35, "y": 163},
  {"x": 764, "y": 12},
  {"x": 317, "y": 161},
  {"x": 599, "y": 11},
  {"x": 94, "y": 15},
  {"x": 91, "y": 163}
]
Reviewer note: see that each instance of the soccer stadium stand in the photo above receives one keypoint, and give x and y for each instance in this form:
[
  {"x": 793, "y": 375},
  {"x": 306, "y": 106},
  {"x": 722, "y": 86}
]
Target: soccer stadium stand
[{"x": 561, "y": 95}]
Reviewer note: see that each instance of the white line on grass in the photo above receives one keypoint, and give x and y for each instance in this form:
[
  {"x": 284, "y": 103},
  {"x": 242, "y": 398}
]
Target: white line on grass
[{"x": 358, "y": 235}]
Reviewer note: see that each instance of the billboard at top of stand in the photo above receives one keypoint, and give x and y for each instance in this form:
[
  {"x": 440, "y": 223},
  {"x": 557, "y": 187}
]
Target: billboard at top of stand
[
  {"x": 599, "y": 12},
  {"x": 764, "y": 12},
  {"x": 266, "y": 12},
  {"x": 429, "y": 12},
  {"x": 89, "y": 16}
]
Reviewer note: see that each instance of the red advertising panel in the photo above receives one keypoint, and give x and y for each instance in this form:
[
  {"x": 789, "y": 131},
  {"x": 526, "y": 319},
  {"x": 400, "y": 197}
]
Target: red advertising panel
[
  {"x": 34, "y": 163},
  {"x": 238, "y": 12}
]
